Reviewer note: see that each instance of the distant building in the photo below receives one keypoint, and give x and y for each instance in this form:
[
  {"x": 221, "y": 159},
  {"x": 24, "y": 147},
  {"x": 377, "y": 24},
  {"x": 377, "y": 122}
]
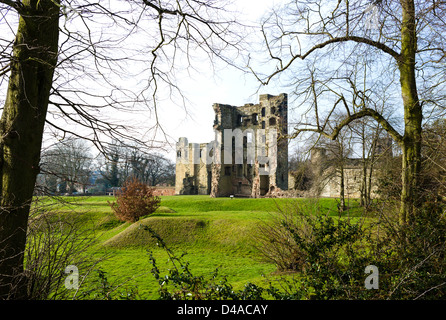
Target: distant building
[{"x": 326, "y": 177}]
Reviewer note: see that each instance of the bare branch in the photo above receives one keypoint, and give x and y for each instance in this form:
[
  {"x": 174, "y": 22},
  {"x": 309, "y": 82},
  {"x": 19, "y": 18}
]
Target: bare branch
[
  {"x": 17, "y": 5},
  {"x": 357, "y": 39},
  {"x": 366, "y": 112}
]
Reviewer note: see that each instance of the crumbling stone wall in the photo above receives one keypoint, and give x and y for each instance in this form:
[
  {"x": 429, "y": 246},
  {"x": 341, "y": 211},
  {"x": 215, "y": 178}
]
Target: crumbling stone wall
[
  {"x": 201, "y": 169},
  {"x": 192, "y": 174},
  {"x": 326, "y": 179},
  {"x": 164, "y": 191},
  {"x": 219, "y": 178},
  {"x": 216, "y": 169},
  {"x": 256, "y": 182}
]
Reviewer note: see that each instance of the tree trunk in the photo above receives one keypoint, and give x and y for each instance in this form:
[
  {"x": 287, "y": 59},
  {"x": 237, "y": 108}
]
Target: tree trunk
[
  {"x": 364, "y": 187},
  {"x": 411, "y": 162},
  {"x": 342, "y": 206},
  {"x": 369, "y": 189},
  {"x": 364, "y": 171},
  {"x": 371, "y": 161},
  {"x": 22, "y": 124}
]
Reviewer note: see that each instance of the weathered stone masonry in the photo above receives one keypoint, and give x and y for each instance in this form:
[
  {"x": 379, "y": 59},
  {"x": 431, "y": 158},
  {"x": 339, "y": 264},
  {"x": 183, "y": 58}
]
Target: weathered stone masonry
[{"x": 198, "y": 172}]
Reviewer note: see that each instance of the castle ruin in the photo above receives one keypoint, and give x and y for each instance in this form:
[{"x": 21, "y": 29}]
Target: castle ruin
[{"x": 248, "y": 158}]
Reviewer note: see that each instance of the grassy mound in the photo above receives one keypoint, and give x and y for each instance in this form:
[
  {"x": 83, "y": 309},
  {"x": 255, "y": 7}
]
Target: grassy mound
[
  {"x": 184, "y": 231},
  {"x": 187, "y": 220},
  {"x": 173, "y": 231}
]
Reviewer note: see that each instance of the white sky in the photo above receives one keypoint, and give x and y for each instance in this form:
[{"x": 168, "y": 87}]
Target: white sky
[
  {"x": 203, "y": 90},
  {"x": 228, "y": 86}
]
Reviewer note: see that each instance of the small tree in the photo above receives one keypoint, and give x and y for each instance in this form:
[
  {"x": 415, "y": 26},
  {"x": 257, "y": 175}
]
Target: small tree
[{"x": 134, "y": 200}]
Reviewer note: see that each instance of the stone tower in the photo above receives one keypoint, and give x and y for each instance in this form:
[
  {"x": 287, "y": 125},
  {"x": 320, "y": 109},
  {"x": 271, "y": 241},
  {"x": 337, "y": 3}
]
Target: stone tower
[{"x": 249, "y": 156}]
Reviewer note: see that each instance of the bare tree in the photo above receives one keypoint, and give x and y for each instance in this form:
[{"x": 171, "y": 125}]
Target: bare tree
[
  {"x": 434, "y": 160},
  {"x": 337, "y": 153},
  {"x": 368, "y": 137},
  {"x": 160, "y": 170},
  {"x": 151, "y": 168},
  {"x": 374, "y": 144},
  {"x": 113, "y": 165},
  {"x": 73, "y": 65},
  {"x": 404, "y": 40},
  {"x": 70, "y": 162}
]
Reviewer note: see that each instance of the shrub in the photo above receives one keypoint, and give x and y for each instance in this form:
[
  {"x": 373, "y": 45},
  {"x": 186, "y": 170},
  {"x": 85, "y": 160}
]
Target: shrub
[
  {"x": 415, "y": 254},
  {"x": 182, "y": 284},
  {"x": 324, "y": 251},
  {"x": 330, "y": 254},
  {"x": 328, "y": 257},
  {"x": 54, "y": 241},
  {"x": 134, "y": 200},
  {"x": 100, "y": 288}
]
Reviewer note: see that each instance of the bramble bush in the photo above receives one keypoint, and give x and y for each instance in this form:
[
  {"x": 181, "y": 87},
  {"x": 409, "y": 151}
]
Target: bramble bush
[
  {"x": 325, "y": 253},
  {"x": 182, "y": 284},
  {"x": 134, "y": 200},
  {"x": 415, "y": 254},
  {"x": 329, "y": 254}
]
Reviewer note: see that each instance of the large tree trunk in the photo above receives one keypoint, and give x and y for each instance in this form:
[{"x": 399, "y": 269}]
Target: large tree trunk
[
  {"x": 410, "y": 195},
  {"x": 21, "y": 127}
]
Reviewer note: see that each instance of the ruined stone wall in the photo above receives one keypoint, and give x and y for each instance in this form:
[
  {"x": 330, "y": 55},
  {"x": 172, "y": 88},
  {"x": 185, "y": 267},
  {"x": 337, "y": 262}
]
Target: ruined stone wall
[
  {"x": 241, "y": 179},
  {"x": 327, "y": 179},
  {"x": 182, "y": 171},
  {"x": 218, "y": 178},
  {"x": 276, "y": 117},
  {"x": 163, "y": 191},
  {"x": 191, "y": 175},
  {"x": 353, "y": 181}
]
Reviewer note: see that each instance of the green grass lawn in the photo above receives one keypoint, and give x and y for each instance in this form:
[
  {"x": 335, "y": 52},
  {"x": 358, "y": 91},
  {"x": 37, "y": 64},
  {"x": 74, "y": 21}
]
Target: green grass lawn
[{"x": 215, "y": 233}]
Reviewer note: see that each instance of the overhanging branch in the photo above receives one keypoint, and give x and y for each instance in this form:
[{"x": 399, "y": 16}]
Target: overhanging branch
[
  {"x": 17, "y": 5},
  {"x": 376, "y": 44},
  {"x": 367, "y": 112}
]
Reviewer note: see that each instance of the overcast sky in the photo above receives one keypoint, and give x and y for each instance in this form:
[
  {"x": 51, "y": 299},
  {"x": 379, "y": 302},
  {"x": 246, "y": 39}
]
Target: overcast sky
[
  {"x": 228, "y": 86},
  {"x": 202, "y": 90}
]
